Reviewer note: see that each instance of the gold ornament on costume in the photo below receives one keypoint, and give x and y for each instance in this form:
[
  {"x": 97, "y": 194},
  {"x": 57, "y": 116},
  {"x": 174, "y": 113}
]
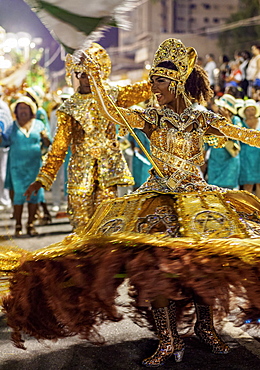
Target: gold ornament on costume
[
  {"x": 99, "y": 55},
  {"x": 173, "y": 50}
]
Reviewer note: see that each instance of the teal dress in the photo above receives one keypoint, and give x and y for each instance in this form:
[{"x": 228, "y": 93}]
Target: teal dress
[
  {"x": 42, "y": 116},
  {"x": 223, "y": 169},
  {"x": 140, "y": 164},
  {"x": 24, "y": 160},
  {"x": 249, "y": 162},
  {"x": 66, "y": 163}
]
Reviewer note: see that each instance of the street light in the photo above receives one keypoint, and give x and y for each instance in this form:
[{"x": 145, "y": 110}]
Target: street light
[
  {"x": 4, "y": 63},
  {"x": 19, "y": 45},
  {"x": 23, "y": 41},
  {"x": 10, "y": 42}
]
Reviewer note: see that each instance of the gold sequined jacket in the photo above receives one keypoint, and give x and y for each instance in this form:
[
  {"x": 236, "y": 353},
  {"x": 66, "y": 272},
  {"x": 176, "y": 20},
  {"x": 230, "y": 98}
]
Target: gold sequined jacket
[{"x": 93, "y": 142}]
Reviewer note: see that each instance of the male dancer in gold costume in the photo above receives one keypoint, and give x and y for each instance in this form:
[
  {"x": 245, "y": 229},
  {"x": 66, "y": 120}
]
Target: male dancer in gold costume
[{"x": 97, "y": 165}]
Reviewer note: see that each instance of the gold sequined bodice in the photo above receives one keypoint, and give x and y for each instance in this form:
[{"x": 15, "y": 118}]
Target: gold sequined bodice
[{"x": 176, "y": 140}]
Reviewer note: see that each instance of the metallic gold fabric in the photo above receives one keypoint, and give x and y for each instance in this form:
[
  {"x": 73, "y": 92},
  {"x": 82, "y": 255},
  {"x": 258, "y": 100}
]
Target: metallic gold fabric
[
  {"x": 248, "y": 250},
  {"x": 10, "y": 258},
  {"x": 94, "y": 147},
  {"x": 173, "y": 50},
  {"x": 177, "y": 149},
  {"x": 98, "y": 53},
  {"x": 188, "y": 215},
  {"x": 177, "y": 140},
  {"x": 81, "y": 207},
  {"x": 210, "y": 223},
  {"x": 245, "y": 135},
  {"x": 179, "y": 211}
]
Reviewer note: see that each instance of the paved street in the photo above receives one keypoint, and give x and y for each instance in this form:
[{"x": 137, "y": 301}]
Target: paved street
[{"x": 126, "y": 343}]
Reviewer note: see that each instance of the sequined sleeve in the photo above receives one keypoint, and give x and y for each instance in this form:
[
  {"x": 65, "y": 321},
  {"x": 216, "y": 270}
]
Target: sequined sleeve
[
  {"x": 57, "y": 151},
  {"x": 111, "y": 111},
  {"x": 133, "y": 94},
  {"x": 245, "y": 135}
]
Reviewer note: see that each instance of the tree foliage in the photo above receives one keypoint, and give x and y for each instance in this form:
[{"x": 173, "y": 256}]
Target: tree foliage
[{"x": 241, "y": 38}]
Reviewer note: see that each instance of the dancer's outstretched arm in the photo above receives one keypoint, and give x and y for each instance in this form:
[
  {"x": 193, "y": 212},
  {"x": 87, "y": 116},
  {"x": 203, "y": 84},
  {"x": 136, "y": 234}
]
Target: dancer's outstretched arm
[{"x": 245, "y": 135}]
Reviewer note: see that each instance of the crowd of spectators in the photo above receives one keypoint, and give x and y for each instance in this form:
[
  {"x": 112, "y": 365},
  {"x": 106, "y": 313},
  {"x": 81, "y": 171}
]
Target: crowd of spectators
[
  {"x": 236, "y": 85},
  {"x": 241, "y": 71}
]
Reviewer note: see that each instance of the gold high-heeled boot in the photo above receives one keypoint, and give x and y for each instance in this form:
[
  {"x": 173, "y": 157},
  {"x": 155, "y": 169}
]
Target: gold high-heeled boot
[
  {"x": 204, "y": 329},
  {"x": 169, "y": 341}
]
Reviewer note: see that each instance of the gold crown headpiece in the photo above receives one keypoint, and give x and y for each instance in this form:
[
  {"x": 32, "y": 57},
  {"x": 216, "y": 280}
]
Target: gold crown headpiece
[
  {"x": 173, "y": 50},
  {"x": 100, "y": 56}
]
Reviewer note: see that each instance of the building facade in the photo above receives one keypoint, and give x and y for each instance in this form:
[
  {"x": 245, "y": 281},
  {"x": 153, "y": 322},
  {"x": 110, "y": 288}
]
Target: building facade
[{"x": 153, "y": 21}]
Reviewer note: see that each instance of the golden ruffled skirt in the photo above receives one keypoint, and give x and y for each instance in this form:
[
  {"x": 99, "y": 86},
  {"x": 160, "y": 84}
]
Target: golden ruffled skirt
[{"x": 181, "y": 244}]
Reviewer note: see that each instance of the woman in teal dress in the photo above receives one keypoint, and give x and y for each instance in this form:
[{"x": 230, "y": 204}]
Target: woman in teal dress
[
  {"x": 224, "y": 166},
  {"x": 250, "y": 156},
  {"x": 25, "y": 138},
  {"x": 37, "y": 95}
]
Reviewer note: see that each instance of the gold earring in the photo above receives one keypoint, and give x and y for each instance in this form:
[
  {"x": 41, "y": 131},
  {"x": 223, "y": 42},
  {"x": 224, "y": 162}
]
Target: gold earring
[
  {"x": 180, "y": 89},
  {"x": 172, "y": 87}
]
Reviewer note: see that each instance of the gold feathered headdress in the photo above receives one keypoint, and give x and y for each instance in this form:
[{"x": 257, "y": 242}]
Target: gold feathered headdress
[
  {"x": 173, "y": 50},
  {"x": 100, "y": 56}
]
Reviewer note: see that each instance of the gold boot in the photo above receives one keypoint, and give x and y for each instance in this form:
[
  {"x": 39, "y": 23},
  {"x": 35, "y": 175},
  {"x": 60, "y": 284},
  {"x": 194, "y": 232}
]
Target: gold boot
[
  {"x": 18, "y": 230},
  {"x": 31, "y": 231},
  {"x": 169, "y": 341},
  {"x": 204, "y": 329}
]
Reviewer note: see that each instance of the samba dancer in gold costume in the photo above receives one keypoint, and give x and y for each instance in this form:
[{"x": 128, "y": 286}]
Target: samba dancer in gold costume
[
  {"x": 175, "y": 238},
  {"x": 97, "y": 165}
]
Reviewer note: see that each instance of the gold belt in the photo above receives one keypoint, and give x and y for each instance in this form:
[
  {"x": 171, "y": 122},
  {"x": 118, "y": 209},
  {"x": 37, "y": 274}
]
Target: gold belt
[
  {"x": 173, "y": 161},
  {"x": 182, "y": 168}
]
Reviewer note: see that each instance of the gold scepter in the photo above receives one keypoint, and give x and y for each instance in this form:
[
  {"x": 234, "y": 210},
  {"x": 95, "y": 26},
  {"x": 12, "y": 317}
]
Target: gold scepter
[
  {"x": 137, "y": 139},
  {"x": 127, "y": 125},
  {"x": 170, "y": 182}
]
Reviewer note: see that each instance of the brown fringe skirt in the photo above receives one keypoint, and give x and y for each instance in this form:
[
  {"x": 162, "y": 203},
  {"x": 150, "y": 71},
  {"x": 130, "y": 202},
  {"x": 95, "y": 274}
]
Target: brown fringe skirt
[{"x": 60, "y": 292}]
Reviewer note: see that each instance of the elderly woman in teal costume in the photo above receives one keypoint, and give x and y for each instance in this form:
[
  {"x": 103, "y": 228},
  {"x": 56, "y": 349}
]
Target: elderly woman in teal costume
[
  {"x": 176, "y": 238},
  {"x": 25, "y": 137},
  {"x": 224, "y": 163},
  {"x": 250, "y": 157}
]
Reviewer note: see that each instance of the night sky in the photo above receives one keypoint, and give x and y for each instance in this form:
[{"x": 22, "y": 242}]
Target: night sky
[{"x": 16, "y": 16}]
